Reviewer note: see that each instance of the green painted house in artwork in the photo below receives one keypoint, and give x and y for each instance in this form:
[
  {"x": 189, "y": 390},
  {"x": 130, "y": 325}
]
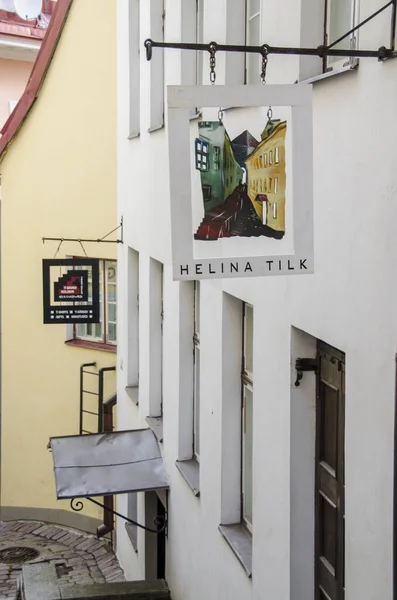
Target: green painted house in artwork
[{"x": 219, "y": 170}]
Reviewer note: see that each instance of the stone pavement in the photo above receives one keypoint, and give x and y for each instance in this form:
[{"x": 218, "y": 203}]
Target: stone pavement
[{"x": 78, "y": 558}]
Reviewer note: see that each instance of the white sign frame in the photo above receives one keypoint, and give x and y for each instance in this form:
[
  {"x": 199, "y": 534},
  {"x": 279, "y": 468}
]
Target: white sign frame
[{"x": 181, "y": 101}]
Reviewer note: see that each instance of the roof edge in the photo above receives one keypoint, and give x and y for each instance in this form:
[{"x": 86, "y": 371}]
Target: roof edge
[{"x": 37, "y": 76}]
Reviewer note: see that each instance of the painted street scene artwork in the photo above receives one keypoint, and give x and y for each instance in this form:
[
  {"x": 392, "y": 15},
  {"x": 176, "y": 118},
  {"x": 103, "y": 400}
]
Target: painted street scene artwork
[{"x": 243, "y": 181}]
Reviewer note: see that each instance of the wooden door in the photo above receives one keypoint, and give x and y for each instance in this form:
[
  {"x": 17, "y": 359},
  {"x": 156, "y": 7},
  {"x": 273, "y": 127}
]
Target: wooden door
[{"x": 330, "y": 481}]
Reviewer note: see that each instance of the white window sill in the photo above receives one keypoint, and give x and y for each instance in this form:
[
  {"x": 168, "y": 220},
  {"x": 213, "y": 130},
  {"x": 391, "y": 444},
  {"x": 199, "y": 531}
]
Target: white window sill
[
  {"x": 156, "y": 128},
  {"x": 190, "y": 471},
  {"x": 197, "y": 115},
  {"x": 156, "y": 425},
  {"x": 133, "y": 136},
  {"x": 240, "y": 541},
  {"x": 132, "y": 534},
  {"x": 347, "y": 69},
  {"x": 133, "y": 393}
]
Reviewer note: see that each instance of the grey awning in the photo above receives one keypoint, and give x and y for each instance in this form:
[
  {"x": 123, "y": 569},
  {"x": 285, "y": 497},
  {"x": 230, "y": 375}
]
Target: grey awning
[{"x": 107, "y": 463}]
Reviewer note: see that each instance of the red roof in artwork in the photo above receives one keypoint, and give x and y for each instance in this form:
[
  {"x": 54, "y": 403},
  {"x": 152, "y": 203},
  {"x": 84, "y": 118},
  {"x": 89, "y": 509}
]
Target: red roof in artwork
[
  {"x": 37, "y": 76},
  {"x": 12, "y": 25}
]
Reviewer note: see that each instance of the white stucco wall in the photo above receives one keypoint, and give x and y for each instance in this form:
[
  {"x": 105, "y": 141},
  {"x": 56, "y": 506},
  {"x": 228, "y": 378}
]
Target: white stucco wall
[{"x": 349, "y": 303}]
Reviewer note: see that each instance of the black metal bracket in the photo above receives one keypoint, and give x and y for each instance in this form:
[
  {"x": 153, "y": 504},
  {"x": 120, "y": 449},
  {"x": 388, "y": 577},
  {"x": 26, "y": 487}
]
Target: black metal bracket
[
  {"x": 101, "y": 240},
  {"x": 381, "y": 54},
  {"x": 303, "y": 365},
  {"x": 159, "y": 522}
]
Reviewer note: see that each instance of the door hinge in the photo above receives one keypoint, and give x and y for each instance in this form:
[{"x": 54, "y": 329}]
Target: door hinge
[{"x": 303, "y": 365}]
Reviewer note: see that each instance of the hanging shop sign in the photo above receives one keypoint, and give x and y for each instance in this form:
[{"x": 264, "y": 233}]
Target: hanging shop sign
[
  {"x": 241, "y": 181},
  {"x": 71, "y": 290}
]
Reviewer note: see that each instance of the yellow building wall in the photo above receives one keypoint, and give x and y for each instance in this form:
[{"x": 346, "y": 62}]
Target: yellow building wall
[
  {"x": 260, "y": 172},
  {"x": 58, "y": 179}
]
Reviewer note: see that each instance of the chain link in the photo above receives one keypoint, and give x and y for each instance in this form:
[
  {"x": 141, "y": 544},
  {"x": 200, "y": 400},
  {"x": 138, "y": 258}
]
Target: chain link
[
  {"x": 212, "y": 63},
  {"x": 265, "y": 60}
]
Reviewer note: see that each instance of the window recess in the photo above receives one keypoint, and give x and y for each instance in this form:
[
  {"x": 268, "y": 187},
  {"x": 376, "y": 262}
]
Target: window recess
[{"x": 157, "y": 17}]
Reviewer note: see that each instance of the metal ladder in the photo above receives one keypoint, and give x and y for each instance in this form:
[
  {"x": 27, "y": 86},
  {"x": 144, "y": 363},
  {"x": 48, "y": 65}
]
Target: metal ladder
[{"x": 99, "y": 413}]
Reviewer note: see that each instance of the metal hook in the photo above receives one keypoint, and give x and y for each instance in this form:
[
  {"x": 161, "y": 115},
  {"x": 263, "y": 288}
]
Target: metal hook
[{"x": 220, "y": 115}]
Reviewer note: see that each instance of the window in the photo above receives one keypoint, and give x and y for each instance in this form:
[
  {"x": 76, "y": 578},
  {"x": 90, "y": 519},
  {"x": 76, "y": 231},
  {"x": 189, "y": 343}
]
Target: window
[
  {"x": 217, "y": 158},
  {"x": 236, "y": 33},
  {"x": 253, "y": 25},
  {"x": 157, "y": 66},
  {"x": 105, "y": 331},
  {"x": 196, "y": 372},
  {"x": 11, "y": 105},
  {"x": 274, "y": 210},
  {"x": 132, "y": 370},
  {"x": 134, "y": 67},
  {"x": 277, "y": 155},
  {"x": 192, "y": 31},
  {"x": 340, "y": 18},
  {"x": 270, "y": 184},
  {"x": 202, "y": 149},
  {"x": 156, "y": 338},
  {"x": 237, "y": 428},
  {"x": 132, "y": 513},
  {"x": 206, "y": 192},
  {"x": 271, "y": 157},
  {"x": 247, "y": 415},
  {"x": 189, "y": 385},
  {"x": 276, "y": 185},
  {"x": 265, "y": 159}
]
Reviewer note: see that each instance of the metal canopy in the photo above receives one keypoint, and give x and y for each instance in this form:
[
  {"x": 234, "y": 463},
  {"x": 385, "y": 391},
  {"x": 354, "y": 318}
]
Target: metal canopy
[{"x": 107, "y": 463}]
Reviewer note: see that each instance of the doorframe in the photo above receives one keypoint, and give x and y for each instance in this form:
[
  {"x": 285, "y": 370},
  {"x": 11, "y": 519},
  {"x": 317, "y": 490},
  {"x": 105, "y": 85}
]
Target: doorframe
[{"x": 341, "y": 357}]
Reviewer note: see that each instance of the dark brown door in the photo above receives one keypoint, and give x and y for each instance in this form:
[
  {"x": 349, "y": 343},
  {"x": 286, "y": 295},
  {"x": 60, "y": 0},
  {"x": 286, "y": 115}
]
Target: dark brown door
[{"x": 330, "y": 480}]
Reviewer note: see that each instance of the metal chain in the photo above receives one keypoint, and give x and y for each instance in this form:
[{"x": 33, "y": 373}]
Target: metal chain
[
  {"x": 265, "y": 60},
  {"x": 212, "y": 62},
  {"x": 220, "y": 115}
]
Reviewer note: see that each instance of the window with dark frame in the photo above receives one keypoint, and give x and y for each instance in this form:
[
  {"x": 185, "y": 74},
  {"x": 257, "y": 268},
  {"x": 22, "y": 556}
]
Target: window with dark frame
[
  {"x": 202, "y": 150},
  {"x": 247, "y": 388},
  {"x": 104, "y": 332}
]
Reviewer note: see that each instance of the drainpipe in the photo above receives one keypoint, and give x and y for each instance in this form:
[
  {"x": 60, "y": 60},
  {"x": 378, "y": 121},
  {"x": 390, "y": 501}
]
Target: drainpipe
[{"x": 108, "y": 502}]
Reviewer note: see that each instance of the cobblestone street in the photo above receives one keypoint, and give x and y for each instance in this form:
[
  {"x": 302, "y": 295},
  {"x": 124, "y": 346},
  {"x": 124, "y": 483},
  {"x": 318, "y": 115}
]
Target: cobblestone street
[{"x": 78, "y": 558}]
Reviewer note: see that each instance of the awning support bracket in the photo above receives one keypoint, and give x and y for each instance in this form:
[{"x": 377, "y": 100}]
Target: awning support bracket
[{"x": 159, "y": 521}]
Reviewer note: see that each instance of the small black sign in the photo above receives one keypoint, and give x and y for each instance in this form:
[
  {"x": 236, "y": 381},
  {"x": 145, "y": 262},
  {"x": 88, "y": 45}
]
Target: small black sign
[{"x": 66, "y": 297}]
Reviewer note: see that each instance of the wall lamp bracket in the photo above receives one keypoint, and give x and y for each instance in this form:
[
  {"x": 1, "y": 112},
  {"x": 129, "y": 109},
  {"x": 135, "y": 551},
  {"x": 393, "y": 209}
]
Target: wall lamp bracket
[{"x": 304, "y": 365}]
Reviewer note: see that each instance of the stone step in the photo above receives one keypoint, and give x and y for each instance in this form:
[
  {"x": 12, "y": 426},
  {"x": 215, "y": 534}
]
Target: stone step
[
  {"x": 40, "y": 582},
  {"x": 127, "y": 590}
]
